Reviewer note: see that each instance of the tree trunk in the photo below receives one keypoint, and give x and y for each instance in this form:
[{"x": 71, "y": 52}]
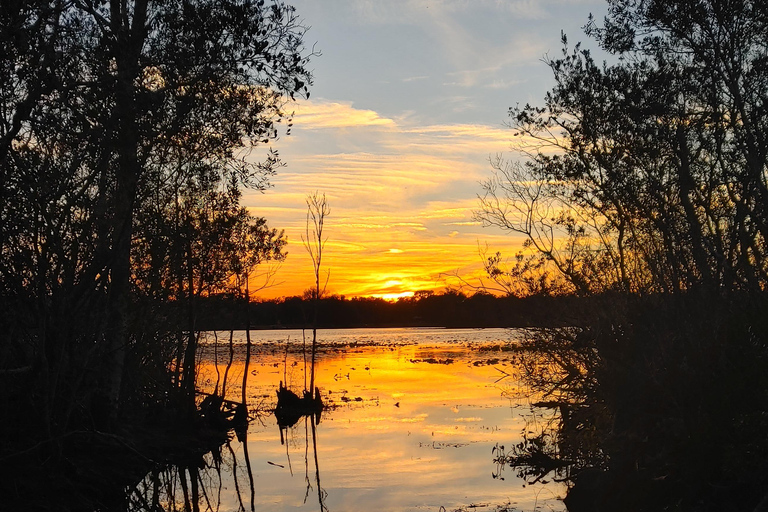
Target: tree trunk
[
  {"x": 247, "y": 340},
  {"x": 127, "y": 48},
  {"x": 188, "y": 379}
]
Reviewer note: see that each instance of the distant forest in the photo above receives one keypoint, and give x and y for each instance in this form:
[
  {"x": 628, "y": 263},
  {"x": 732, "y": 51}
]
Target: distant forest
[{"x": 447, "y": 309}]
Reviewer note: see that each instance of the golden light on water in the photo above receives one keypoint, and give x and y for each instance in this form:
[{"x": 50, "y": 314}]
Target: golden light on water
[{"x": 404, "y": 423}]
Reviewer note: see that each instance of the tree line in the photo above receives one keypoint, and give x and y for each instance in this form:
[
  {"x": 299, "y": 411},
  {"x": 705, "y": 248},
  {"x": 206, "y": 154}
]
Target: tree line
[{"x": 450, "y": 308}]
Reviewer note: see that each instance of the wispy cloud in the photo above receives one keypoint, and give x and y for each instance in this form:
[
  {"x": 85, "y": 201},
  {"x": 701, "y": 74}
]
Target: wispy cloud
[
  {"x": 420, "y": 89},
  {"x": 401, "y": 212},
  {"x": 414, "y": 78},
  {"x": 316, "y": 115}
]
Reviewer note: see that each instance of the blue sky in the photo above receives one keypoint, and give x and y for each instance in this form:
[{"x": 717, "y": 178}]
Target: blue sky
[{"x": 409, "y": 102}]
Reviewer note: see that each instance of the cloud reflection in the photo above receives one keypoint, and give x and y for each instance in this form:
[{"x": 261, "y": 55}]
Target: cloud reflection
[{"x": 407, "y": 434}]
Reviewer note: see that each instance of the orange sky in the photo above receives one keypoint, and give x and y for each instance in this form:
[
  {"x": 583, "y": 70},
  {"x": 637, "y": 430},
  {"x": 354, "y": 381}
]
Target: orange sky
[
  {"x": 409, "y": 102},
  {"x": 401, "y": 199}
]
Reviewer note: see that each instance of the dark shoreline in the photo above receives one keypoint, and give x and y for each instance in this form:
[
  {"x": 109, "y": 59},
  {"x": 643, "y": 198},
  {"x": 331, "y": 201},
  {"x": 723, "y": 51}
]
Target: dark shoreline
[{"x": 451, "y": 310}]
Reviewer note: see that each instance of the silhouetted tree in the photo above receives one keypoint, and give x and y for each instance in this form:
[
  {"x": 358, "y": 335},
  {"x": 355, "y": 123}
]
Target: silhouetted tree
[
  {"x": 646, "y": 188},
  {"x": 317, "y": 211},
  {"x": 126, "y": 128},
  {"x": 658, "y": 181}
]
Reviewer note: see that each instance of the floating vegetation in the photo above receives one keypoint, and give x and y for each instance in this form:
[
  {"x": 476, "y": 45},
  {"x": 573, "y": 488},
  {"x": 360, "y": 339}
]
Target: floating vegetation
[
  {"x": 503, "y": 507},
  {"x": 433, "y": 360}
]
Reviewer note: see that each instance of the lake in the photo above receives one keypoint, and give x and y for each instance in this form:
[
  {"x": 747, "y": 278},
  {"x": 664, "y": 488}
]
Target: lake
[{"x": 412, "y": 421}]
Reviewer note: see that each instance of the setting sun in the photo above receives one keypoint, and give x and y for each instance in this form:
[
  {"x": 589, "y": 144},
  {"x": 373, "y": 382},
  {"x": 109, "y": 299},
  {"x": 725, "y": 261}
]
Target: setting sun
[
  {"x": 376, "y": 237},
  {"x": 392, "y": 297}
]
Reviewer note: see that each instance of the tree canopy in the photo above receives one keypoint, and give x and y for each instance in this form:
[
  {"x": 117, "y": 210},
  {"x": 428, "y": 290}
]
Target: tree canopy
[
  {"x": 645, "y": 188},
  {"x": 127, "y": 128},
  {"x": 648, "y": 174}
]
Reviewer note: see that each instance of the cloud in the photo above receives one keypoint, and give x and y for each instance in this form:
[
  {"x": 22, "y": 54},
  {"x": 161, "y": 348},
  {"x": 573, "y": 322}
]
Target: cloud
[
  {"x": 416, "y": 92},
  {"x": 414, "y": 78},
  {"x": 313, "y": 115},
  {"x": 415, "y": 11},
  {"x": 401, "y": 206}
]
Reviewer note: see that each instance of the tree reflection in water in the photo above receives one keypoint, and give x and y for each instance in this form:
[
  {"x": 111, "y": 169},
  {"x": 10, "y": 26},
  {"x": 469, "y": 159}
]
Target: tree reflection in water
[
  {"x": 568, "y": 415},
  {"x": 636, "y": 416},
  {"x": 195, "y": 484},
  {"x": 310, "y": 420}
]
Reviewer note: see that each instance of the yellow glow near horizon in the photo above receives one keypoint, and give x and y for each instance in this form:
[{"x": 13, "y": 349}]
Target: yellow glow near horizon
[
  {"x": 392, "y": 297},
  {"x": 401, "y": 196}
]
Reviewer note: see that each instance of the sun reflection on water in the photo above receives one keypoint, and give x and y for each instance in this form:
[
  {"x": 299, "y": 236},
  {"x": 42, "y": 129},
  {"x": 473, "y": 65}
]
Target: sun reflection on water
[{"x": 413, "y": 416}]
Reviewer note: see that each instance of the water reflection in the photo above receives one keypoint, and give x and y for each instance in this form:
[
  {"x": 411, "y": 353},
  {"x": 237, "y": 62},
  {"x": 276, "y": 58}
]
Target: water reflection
[
  {"x": 196, "y": 484},
  {"x": 639, "y": 422},
  {"x": 411, "y": 422},
  {"x": 285, "y": 432}
]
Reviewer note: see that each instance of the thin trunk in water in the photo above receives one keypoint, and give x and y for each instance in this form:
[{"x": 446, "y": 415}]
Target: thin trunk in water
[
  {"x": 304, "y": 353},
  {"x": 185, "y": 489},
  {"x": 188, "y": 378},
  {"x": 234, "y": 476},
  {"x": 320, "y": 498},
  {"x": 247, "y": 339},
  {"x": 312, "y": 362},
  {"x": 317, "y": 210},
  {"x": 249, "y": 470},
  {"x": 229, "y": 363},
  {"x": 315, "y": 307},
  {"x": 285, "y": 363},
  {"x": 193, "y": 478},
  {"x": 216, "y": 363}
]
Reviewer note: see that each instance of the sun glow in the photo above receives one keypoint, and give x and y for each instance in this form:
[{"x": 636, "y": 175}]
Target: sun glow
[
  {"x": 402, "y": 198},
  {"x": 392, "y": 297}
]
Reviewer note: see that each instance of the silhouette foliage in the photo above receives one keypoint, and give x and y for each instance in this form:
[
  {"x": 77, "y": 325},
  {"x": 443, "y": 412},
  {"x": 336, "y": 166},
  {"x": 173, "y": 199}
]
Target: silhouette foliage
[
  {"x": 647, "y": 189},
  {"x": 126, "y": 130}
]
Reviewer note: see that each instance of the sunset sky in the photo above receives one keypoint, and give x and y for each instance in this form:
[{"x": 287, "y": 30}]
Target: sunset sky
[{"x": 409, "y": 103}]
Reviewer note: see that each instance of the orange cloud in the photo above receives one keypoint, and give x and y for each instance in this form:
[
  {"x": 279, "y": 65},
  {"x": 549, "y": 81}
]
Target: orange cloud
[
  {"x": 312, "y": 115},
  {"x": 401, "y": 202}
]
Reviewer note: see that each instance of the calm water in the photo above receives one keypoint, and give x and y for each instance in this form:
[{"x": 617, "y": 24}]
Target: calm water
[{"x": 414, "y": 415}]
